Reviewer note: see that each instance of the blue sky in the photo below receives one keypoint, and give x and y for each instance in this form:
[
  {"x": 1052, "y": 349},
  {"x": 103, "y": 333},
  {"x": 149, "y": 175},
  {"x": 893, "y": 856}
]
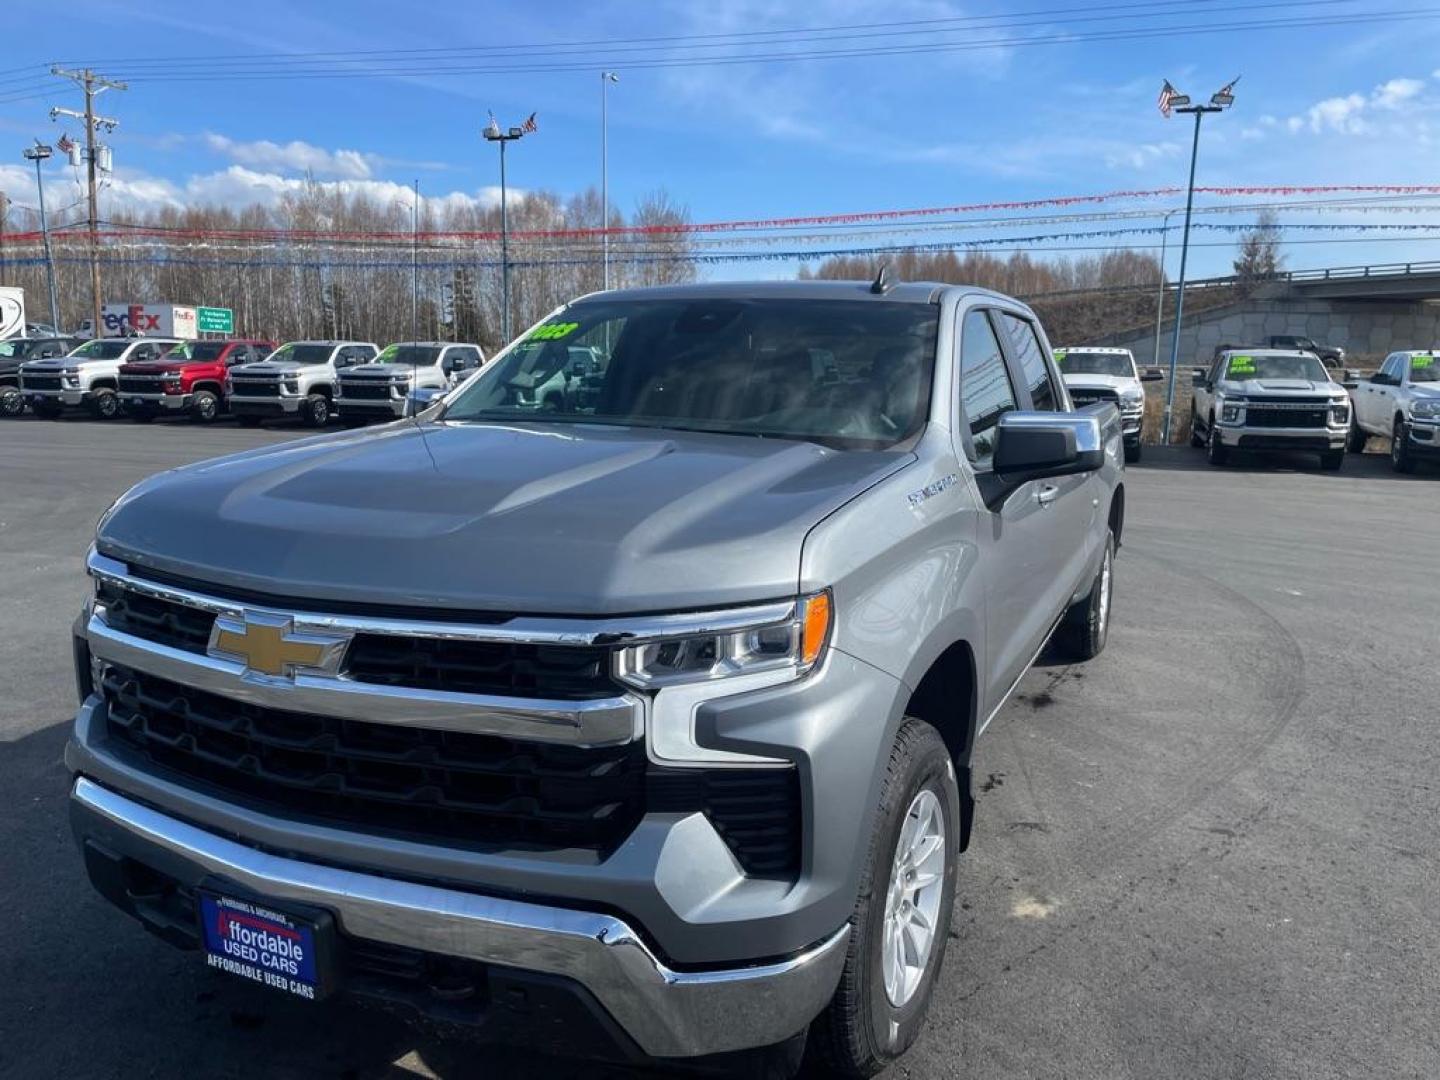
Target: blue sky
[{"x": 1317, "y": 104}]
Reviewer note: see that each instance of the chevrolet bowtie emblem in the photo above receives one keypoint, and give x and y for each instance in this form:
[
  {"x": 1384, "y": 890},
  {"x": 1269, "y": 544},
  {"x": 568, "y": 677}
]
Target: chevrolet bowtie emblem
[{"x": 270, "y": 645}]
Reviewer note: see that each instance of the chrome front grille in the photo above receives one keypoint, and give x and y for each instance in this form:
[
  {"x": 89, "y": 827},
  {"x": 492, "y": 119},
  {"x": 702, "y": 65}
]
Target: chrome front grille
[
  {"x": 365, "y": 389},
  {"x": 255, "y": 387},
  {"x": 141, "y": 384}
]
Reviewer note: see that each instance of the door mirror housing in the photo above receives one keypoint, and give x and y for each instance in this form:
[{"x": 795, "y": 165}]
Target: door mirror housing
[
  {"x": 1152, "y": 374},
  {"x": 421, "y": 398},
  {"x": 1199, "y": 377},
  {"x": 1037, "y": 445},
  {"x": 1382, "y": 379}
]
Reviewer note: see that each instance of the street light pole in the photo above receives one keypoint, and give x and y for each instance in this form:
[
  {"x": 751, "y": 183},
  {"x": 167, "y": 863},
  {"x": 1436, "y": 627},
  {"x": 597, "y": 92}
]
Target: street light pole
[
  {"x": 38, "y": 153},
  {"x": 494, "y": 134},
  {"x": 1221, "y": 100},
  {"x": 606, "y": 77},
  {"x": 1160, "y": 293}
]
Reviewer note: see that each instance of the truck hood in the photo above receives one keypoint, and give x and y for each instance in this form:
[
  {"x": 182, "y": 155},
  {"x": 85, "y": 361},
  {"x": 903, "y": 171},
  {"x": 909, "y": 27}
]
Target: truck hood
[
  {"x": 270, "y": 367},
  {"x": 1099, "y": 382},
  {"x": 1424, "y": 391},
  {"x": 536, "y": 518},
  {"x": 51, "y": 364},
  {"x": 380, "y": 371},
  {"x": 1261, "y": 387}
]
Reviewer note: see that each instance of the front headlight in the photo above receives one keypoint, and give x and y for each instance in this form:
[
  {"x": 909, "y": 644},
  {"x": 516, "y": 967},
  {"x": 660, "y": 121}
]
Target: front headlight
[
  {"x": 291, "y": 387},
  {"x": 1232, "y": 412},
  {"x": 1339, "y": 413},
  {"x": 792, "y": 646},
  {"x": 1133, "y": 397},
  {"x": 1425, "y": 410}
]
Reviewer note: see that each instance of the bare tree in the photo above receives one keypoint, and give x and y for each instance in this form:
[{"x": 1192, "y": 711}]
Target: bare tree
[{"x": 1260, "y": 258}]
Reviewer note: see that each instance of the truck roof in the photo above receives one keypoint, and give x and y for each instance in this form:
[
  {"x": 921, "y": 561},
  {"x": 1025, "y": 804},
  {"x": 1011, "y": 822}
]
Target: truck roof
[
  {"x": 911, "y": 292},
  {"x": 1093, "y": 348},
  {"x": 327, "y": 341}
]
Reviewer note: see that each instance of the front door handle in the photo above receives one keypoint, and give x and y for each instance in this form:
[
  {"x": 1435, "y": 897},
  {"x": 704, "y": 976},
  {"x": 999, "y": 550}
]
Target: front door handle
[{"x": 1046, "y": 495}]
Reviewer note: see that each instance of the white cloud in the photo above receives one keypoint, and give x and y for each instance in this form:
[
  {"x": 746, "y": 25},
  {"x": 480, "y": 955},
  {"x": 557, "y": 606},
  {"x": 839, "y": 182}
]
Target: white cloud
[
  {"x": 295, "y": 155},
  {"x": 1342, "y": 114},
  {"x": 1393, "y": 94}
]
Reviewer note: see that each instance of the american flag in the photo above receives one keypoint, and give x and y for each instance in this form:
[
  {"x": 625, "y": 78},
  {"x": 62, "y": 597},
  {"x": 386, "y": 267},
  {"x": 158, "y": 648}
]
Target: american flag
[
  {"x": 1167, "y": 95},
  {"x": 530, "y": 127},
  {"x": 65, "y": 144}
]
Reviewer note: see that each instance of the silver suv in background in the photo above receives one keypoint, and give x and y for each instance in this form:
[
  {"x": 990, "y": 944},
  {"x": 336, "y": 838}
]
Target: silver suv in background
[
  {"x": 1401, "y": 402},
  {"x": 381, "y": 389},
  {"x": 297, "y": 379},
  {"x": 647, "y": 711},
  {"x": 1269, "y": 399},
  {"x": 1095, "y": 373}
]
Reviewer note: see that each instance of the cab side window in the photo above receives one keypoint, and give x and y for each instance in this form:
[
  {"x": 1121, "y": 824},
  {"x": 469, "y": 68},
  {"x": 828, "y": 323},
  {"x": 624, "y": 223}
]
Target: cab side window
[
  {"x": 1025, "y": 345},
  {"x": 986, "y": 392}
]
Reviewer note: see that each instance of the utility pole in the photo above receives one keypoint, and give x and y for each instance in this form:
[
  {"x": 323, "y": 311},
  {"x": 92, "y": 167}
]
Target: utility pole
[
  {"x": 415, "y": 265},
  {"x": 492, "y": 133},
  {"x": 606, "y": 78},
  {"x": 92, "y": 85},
  {"x": 1221, "y": 100},
  {"x": 38, "y": 153}
]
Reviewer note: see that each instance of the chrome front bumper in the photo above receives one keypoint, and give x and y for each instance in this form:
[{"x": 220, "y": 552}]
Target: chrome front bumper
[
  {"x": 170, "y": 402},
  {"x": 71, "y": 398},
  {"x": 668, "y": 1013},
  {"x": 1235, "y": 436}
]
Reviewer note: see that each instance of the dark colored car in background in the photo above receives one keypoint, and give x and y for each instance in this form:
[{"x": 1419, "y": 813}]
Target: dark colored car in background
[
  {"x": 16, "y": 351},
  {"x": 191, "y": 379}
]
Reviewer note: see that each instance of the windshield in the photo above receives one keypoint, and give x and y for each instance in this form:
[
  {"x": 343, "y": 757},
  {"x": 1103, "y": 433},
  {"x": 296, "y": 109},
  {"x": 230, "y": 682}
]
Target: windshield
[
  {"x": 420, "y": 355},
  {"x": 1120, "y": 365},
  {"x": 842, "y": 373},
  {"x": 20, "y": 347},
  {"x": 1244, "y": 366},
  {"x": 294, "y": 353},
  {"x": 197, "y": 350},
  {"x": 1424, "y": 369},
  {"x": 104, "y": 348}
]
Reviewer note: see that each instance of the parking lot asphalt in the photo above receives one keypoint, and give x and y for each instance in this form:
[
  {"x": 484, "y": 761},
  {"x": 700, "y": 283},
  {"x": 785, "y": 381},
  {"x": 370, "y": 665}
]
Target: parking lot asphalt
[{"x": 1209, "y": 853}]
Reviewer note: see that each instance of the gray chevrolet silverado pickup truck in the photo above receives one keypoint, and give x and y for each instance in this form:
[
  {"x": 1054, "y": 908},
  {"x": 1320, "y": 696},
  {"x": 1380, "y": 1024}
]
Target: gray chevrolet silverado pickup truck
[{"x": 634, "y": 720}]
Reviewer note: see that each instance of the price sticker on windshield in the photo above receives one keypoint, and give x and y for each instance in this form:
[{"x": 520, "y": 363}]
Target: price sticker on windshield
[
  {"x": 1242, "y": 365},
  {"x": 554, "y": 331},
  {"x": 1421, "y": 362},
  {"x": 386, "y": 353},
  {"x": 1059, "y": 356}
]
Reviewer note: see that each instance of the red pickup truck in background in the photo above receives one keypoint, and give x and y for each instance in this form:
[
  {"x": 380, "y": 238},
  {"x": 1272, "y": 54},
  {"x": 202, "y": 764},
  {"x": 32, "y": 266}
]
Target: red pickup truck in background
[{"x": 190, "y": 379}]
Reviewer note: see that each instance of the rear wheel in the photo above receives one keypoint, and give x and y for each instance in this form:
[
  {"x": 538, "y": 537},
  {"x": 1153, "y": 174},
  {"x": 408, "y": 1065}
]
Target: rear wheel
[
  {"x": 103, "y": 404},
  {"x": 1086, "y": 626},
  {"x": 1215, "y": 451},
  {"x": 315, "y": 412},
  {"x": 1401, "y": 460},
  {"x": 205, "y": 407},
  {"x": 1331, "y": 460},
  {"x": 901, "y": 922}
]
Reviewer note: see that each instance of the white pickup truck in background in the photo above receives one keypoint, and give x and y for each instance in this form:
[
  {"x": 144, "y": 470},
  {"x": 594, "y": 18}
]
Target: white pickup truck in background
[
  {"x": 1094, "y": 373},
  {"x": 1400, "y": 402}
]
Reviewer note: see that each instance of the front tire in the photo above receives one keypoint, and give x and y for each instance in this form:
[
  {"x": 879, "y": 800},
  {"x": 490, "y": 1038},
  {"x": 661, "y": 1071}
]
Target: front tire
[
  {"x": 1215, "y": 451},
  {"x": 12, "y": 401},
  {"x": 205, "y": 407},
  {"x": 316, "y": 411},
  {"x": 1357, "y": 439},
  {"x": 103, "y": 404},
  {"x": 901, "y": 922},
  {"x": 1401, "y": 460}
]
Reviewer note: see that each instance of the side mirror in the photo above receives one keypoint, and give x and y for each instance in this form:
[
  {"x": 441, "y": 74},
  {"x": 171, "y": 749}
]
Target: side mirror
[
  {"x": 1153, "y": 374},
  {"x": 1380, "y": 379},
  {"x": 421, "y": 398},
  {"x": 1199, "y": 377},
  {"x": 1037, "y": 445}
]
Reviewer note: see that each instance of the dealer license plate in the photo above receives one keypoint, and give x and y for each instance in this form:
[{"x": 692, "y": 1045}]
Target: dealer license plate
[{"x": 271, "y": 948}]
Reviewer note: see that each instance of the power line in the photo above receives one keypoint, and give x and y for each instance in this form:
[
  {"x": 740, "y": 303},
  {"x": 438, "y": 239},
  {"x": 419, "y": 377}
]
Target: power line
[
  {"x": 272, "y": 74},
  {"x": 735, "y": 36}
]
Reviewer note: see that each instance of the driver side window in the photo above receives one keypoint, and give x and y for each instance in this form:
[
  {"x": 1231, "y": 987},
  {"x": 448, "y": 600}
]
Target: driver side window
[{"x": 986, "y": 392}]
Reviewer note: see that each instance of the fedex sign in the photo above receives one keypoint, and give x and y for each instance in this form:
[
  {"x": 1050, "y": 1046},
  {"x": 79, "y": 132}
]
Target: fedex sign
[{"x": 149, "y": 320}]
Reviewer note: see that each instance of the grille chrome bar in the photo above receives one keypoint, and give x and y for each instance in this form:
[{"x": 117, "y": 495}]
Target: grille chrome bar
[
  {"x": 537, "y": 630},
  {"x": 596, "y": 722}
]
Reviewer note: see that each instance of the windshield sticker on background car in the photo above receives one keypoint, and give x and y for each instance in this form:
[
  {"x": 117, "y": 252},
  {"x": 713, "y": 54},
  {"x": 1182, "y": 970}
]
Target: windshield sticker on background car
[
  {"x": 554, "y": 331},
  {"x": 386, "y": 353},
  {"x": 1242, "y": 365},
  {"x": 1421, "y": 361},
  {"x": 1059, "y": 356}
]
